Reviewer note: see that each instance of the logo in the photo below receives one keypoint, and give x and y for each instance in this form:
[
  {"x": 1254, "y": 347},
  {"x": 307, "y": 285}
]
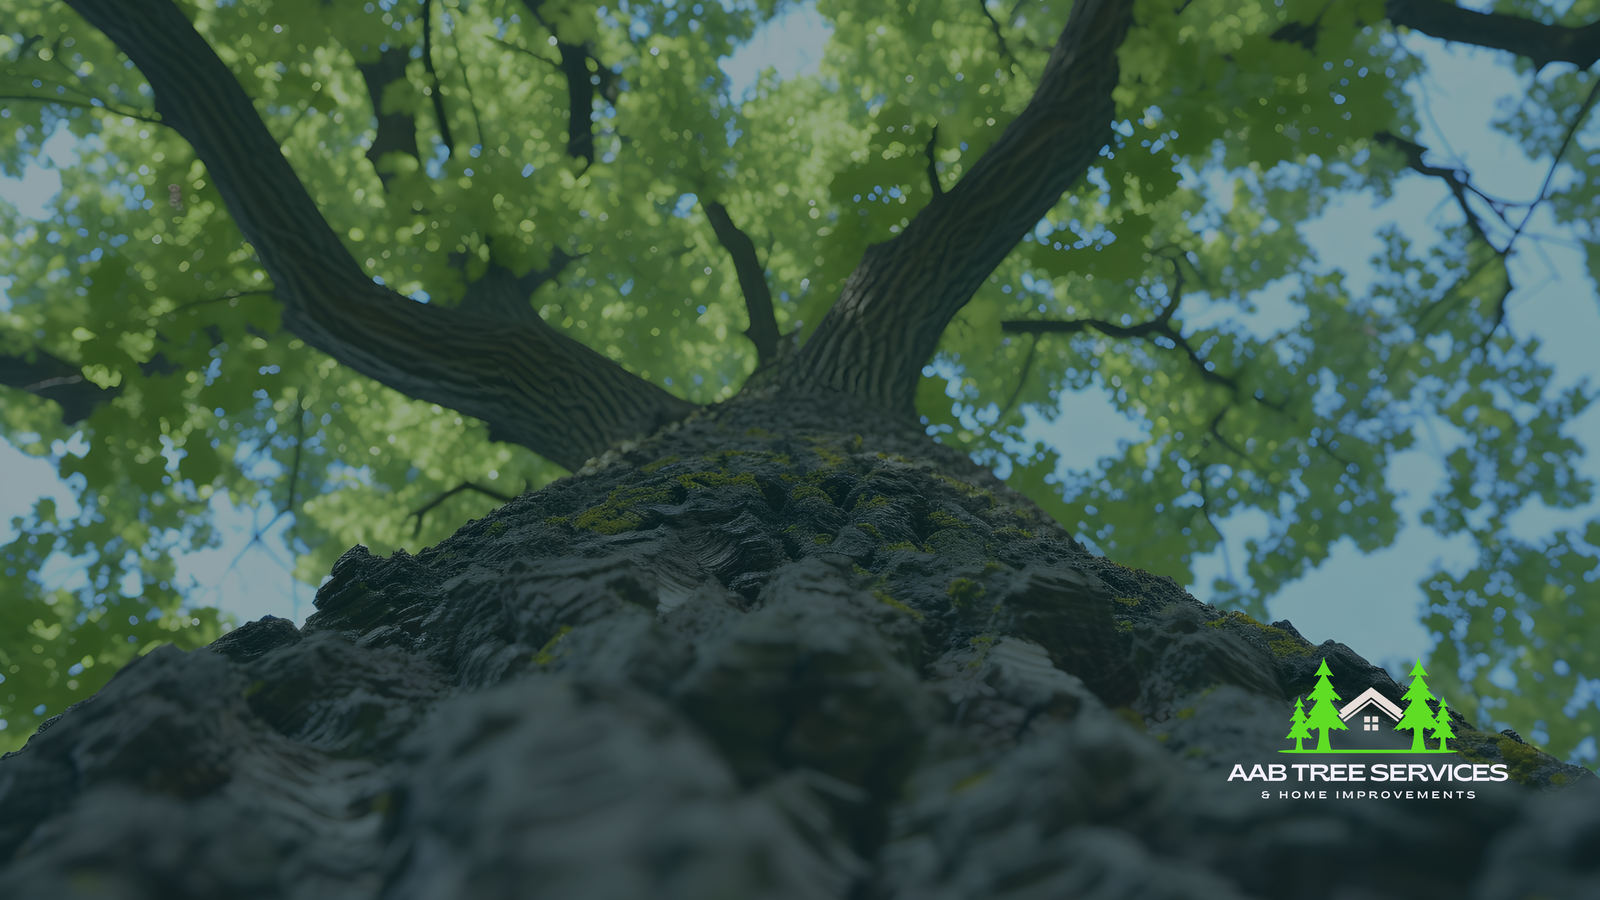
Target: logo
[
  {"x": 1383, "y": 728},
  {"x": 1377, "y": 714}
]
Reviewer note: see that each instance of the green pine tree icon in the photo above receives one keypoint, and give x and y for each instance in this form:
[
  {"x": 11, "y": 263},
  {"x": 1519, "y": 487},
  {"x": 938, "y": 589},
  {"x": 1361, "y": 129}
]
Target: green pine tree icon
[
  {"x": 1418, "y": 716},
  {"x": 1325, "y": 715},
  {"x": 1299, "y": 732},
  {"x": 1441, "y": 727}
]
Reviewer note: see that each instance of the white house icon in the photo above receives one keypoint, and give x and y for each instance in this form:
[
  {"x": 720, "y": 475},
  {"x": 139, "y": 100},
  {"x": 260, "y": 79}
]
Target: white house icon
[{"x": 1368, "y": 706}]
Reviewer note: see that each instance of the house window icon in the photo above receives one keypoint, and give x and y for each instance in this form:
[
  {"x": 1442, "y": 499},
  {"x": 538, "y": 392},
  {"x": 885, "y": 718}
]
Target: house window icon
[{"x": 1369, "y": 723}]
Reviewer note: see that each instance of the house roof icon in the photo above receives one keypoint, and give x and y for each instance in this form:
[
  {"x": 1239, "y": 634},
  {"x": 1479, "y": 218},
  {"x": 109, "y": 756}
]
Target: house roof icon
[{"x": 1370, "y": 697}]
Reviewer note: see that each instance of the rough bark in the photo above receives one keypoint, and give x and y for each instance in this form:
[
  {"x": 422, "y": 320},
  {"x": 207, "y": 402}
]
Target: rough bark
[
  {"x": 530, "y": 383},
  {"x": 789, "y": 649}
]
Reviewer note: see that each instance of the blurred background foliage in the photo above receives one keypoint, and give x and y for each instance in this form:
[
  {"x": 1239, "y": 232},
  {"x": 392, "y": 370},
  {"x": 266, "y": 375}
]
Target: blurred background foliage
[{"x": 1237, "y": 123}]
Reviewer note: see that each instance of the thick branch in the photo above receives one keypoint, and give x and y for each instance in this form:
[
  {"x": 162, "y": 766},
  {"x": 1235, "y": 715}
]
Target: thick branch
[
  {"x": 397, "y": 131},
  {"x": 53, "y": 378},
  {"x": 531, "y": 384},
  {"x": 1541, "y": 43},
  {"x": 933, "y": 166},
  {"x": 763, "y": 330},
  {"x": 888, "y": 319}
]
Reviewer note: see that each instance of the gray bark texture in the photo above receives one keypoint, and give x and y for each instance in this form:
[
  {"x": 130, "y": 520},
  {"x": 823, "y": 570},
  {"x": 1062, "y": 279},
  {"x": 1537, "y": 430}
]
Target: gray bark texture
[{"x": 790, "y": 648}]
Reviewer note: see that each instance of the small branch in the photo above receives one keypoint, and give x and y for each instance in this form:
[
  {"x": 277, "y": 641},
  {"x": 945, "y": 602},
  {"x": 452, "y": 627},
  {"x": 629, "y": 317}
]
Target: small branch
[
  {"x": 524, "y": 50},
  {"x": 427, "y": 64},
  {"x": 999, "y": 37},
  {"x": 463, "y": 486},
  {"x": 1542, "y": 44},
  {"x": 84, "y": 105},
  {"x": 1152, "y": 331},
  {"x": 397, "y": 131},
  {"x": 1147, "y": 331},
  {"x": 294, "y": 470},
  {"x": 580, "y": 90},
  {"x": 933, "y": 169},
  {"x": 472, "y": 104},
  {"x": 233, "y": 296},
  {"x": 1544, "y": 189},
  {"x": 1216, "y": 431},
  {"x": 44, "y": 375},
  {"x": 763, "y": 330},
  {"x": 1027, "y": 366},
  {"x": 1456, "y": 179}
]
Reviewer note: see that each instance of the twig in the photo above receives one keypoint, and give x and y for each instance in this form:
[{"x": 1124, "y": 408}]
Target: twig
[
  {"x": 103, "y": 106},
  {"x": 544, "y": 59},
  {"x": 1544, "y": 189},
  {"x": 233, "y": 296},
  {"x": 427, "y": 64},
  {"x": 465, "y": 79},
  {"x": 1027, "y": 365},
  {"x": 998, "y": 36},
  {"x": 463, "y": 486}
]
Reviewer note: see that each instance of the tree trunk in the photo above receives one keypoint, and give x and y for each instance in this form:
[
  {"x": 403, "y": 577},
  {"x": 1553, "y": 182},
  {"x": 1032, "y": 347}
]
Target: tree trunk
[{"x": 789, "y": 648}]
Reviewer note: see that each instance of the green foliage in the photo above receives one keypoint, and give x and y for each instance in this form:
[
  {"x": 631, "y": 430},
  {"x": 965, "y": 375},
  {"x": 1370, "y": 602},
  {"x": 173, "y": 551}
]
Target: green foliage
[
  {"x": 1519, "y": 634},
  {"x": 1228, "y": 139}
]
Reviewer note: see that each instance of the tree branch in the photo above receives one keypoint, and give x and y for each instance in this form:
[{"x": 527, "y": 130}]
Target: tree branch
[
  {"x": 397, "y": 131},
  {"x": 53, "y": 378},
  {"x": 1148, "y": 331},
  {"x": 531, "y": 384},
  {"x": 933, "y": 168},
  {"x": 1541, "y": 43},
  {"x": 763, "y": 330},
  {"x": 1457, "y": 180},
  {"x": 888, "y": 319},
  {"x": 427, "y": 63},
  {"x": 580, "y": 90},
  {"x": 463, "y": 486},
  {"x": 999, "y": 36}
]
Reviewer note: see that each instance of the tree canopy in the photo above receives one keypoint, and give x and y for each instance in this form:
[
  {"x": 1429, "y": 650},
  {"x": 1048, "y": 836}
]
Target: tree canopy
[{"x": 577, "y": 176}]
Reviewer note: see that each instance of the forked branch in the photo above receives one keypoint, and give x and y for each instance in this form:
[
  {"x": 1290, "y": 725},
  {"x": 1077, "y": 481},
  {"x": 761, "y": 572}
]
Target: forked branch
[
  {"x": 531, "y": 384},
  {"x": 892, "y": 310}
]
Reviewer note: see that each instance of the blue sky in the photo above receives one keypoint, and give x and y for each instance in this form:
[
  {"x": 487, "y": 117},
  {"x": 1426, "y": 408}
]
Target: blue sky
[{"x": 1370, "y": 602}]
